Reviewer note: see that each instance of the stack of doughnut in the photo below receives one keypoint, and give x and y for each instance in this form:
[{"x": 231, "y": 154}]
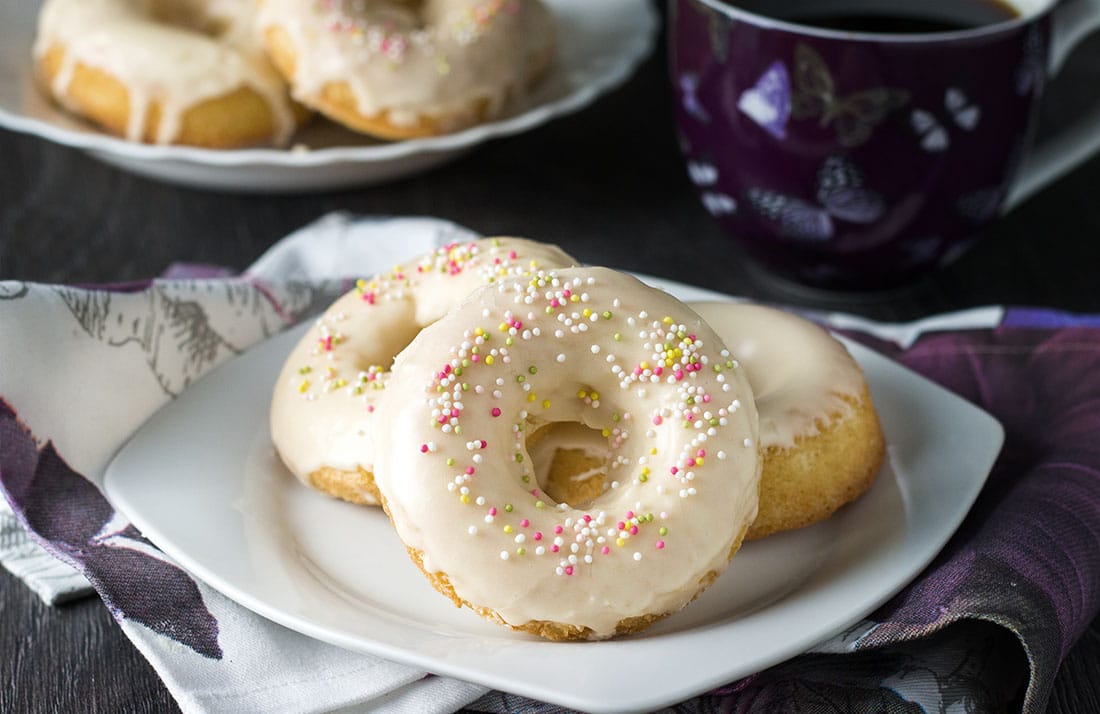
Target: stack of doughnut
[
  {"x": 222, "y": 73},
  {"x": 565, "y": 450}
]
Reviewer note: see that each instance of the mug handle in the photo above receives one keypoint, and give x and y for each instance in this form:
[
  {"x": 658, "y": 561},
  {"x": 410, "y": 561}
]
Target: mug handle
[{"x": 1057, "y": 155}]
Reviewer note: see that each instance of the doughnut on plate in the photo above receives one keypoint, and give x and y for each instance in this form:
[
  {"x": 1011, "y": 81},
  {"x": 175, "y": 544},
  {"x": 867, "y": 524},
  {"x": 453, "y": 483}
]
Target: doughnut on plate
[
  {"x": 600, "y": 45},
  {"x": 298, "y": 557}
]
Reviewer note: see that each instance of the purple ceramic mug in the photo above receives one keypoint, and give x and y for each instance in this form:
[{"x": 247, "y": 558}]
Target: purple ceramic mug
[{"x": 861, "y": 160}]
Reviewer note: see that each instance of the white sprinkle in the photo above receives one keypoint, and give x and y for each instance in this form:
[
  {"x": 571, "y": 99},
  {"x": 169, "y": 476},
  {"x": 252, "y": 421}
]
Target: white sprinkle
[
  {"x": 721, "y": 455},
  {"x": 637, "y": 556},
  {"x": 540, "y": 550},
  {"x": 472, "y": 530},
  {"x": 748, "y": 443},
  {"x": 561, "y": 358},
  {"x": 504, "y": 555},
  {"x": 595, "y": 349}
]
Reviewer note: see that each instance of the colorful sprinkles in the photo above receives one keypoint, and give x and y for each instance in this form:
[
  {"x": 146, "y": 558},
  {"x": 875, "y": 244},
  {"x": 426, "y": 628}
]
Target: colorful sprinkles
[{"x": 552, "y": 316}]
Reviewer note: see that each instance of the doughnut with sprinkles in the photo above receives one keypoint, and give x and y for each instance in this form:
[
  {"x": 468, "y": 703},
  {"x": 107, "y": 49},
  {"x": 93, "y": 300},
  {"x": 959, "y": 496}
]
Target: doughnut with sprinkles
[
  {"x": 588, "y": 346},
  {"x": 324, "y": 398},
  {"x": 396, "y": 69}
]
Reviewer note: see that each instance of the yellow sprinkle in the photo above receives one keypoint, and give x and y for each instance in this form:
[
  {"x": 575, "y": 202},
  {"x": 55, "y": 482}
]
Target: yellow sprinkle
[
  {"x": 582, "y": 394},
  {"x": 465, "y": 498},
  {"x": 620, "y": 542},
  {"x": 545, "y": 403},
  {"x": 606, "y": 433},
  {"x": 489, "y": 359},
  {"x": 698, "y": 460},
  {"x": 507, "y": 529},
  {"x": 667, "y": 320},
  {"x": 587, "y": 312},
  {"x": 303, "y": 386},
  {"x": 531, "y": 397},
  {"x": 574, "y": 298},
  {"x": 595, "y": 396},
  {"x": 653, "y": 451}
]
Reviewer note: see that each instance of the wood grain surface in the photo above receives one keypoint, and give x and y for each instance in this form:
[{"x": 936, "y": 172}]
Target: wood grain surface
[{"x": 607, "y": 184}]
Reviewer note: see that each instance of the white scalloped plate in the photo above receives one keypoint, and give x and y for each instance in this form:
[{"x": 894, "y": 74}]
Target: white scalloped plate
[
  {"x": 338, "y": 573},
  {"x": 601, "y": 42}
]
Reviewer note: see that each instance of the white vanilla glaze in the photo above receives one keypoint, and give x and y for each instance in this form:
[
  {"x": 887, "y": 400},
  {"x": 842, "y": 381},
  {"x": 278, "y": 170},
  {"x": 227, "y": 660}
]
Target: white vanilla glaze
[
  {"x": 585, "y": 345},
  {"x": 323, "y": 402},
  {"x": 802, "y": 376},
  {"x": 408, "y": 59},
  {"x": 174, "y": 55}
]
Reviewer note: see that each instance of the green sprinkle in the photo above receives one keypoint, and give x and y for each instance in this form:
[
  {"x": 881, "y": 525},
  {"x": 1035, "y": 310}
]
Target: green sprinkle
[
  {"x": 533, "y": 369},
  {"x": 508, "y": 507},
  {"x": 662, "y": 531}
]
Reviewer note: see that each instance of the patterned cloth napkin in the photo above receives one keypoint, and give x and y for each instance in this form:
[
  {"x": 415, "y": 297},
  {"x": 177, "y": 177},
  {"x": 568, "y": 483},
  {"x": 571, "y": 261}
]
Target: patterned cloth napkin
[{"x": 985, "y": 626}]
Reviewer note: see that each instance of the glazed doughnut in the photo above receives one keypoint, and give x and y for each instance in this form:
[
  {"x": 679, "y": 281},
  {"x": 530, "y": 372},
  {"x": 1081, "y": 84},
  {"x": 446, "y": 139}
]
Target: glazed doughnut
[
  {"x": 323, "y": 403},
  {"x": 822, "y": 442},
  {"x": 592, "y": 347},
  {"x": 399, "y": 69},
  {"x": 164, "y": 72}
]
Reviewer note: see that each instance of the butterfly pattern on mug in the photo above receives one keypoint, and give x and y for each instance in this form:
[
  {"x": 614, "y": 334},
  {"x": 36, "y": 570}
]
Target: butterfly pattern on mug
[
  {"x": 854, "y": 116},
  {"x": 689, "y": 97},
  {"x": 841, "y": 195},
  {"x": 705, "y": 175},
  {"x": 934, "y": 135},
  {"x": 768, "y": 102}
]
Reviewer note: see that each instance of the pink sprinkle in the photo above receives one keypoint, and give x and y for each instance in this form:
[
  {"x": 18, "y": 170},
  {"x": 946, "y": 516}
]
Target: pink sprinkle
[
  {"x": 679, "y": 374},
  {"x": 535, "y": 492},
  {"x": 706, "y": 399},
  {"x": 554, "y": 549},
  {"x": 495, "y": 412},
  {"x": 475, "y": 358},
  {"x": 484, "y": 443},
  {"x": 558, "y": 530},
  {"x": 538, "y": 535},
  {"x": 524, "y": 523},
  {"x": 630, "y": 514},
  {"x": 423, "y": 448},
  {"x": 605, "y": 550},
  {"x": 658, "y": 371},
  {"x": 512, "y": 255},
  {"x": 701, "y": 452},
  {"x": 370, "y": 408},
  {"x": 492, "y": 510},
  {"x": 660, "y": 545},
  {"x": 657, "y": 420},
  {"x": 587, "y": 518},
  {"x": 633, "y": 530},
  {"x": 622, "y": 526},
  {"x": 470, "y": 470},
  {"x": 569, "y": 570}
]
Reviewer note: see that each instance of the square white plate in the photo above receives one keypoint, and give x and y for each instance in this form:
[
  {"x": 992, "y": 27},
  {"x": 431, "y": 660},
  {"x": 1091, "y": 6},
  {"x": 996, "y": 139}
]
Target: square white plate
[{"x": 202, "y": 481}]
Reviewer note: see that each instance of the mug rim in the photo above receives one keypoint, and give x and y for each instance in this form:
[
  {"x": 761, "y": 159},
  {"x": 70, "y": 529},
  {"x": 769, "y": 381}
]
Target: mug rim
[{"x": 767, "y": 22}]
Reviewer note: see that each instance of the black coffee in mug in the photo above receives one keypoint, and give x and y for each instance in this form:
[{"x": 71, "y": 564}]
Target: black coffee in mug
[{"x": 886, "y": 16}]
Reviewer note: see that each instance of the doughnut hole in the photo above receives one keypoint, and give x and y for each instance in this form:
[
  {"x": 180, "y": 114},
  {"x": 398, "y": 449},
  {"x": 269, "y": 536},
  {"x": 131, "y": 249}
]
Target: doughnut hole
[{"x": 571, "y": 462}]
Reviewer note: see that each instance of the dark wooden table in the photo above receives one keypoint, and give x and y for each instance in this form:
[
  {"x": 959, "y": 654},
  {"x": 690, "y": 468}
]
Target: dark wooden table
[{"x": 607, "y": 184}]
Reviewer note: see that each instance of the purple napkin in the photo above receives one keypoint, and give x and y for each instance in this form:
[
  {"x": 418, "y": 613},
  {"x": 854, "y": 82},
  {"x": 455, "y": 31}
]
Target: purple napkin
[{"x": 986, "y": 625}]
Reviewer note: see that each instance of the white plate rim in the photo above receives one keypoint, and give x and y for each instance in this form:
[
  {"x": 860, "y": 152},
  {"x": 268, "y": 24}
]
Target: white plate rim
[
  {"x": 920, "y": 553},
  {"x": 609, "y": 76}
]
